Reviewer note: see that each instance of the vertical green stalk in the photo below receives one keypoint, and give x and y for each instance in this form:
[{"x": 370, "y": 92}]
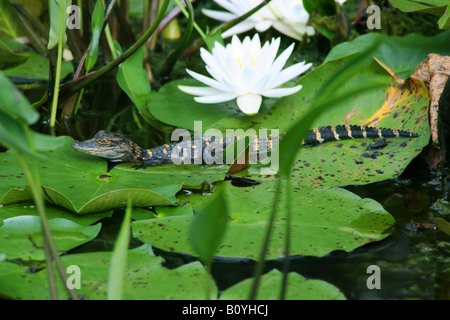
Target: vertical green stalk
[
  {"x": 62, "y": 24},
  {"x": 119, "y": 257},
  {"x": 80, "y": 5},
  {"x": 51, "y": 253},
  {"x": 287, "y": 244},
  {"x": 186, "y": 14},
  {"x": 208, "y": 279},
  {"x": 262, "y": 256}
]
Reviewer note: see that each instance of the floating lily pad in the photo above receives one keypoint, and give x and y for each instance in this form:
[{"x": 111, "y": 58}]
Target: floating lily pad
[
  {"x": 52, "y": 212},
  {"x": 21, "y": 236},
  {"x": 145, "y": 278},
  {"x": 323, "y": 220},
  {"x": 80, "y": 183},
  {"x": 402, "y": 54},
  {"x": 298, "y": 288}
]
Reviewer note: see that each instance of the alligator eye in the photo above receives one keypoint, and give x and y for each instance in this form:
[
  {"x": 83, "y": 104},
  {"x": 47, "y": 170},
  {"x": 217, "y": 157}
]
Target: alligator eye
[{"x": 103, "y": 141}]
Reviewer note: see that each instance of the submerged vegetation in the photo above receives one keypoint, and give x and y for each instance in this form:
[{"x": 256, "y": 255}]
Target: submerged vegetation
[{"x": 303, "y": 222}]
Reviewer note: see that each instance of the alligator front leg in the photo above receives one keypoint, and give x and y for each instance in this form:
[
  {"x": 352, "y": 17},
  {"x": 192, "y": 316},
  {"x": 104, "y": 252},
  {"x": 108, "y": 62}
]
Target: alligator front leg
[{"x": 149, "y": 163}]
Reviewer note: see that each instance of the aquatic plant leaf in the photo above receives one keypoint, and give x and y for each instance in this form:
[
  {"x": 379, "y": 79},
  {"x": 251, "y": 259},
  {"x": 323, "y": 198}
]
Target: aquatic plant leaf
[
  {"x": 21, "y": 236},
  {"x": 299, "y": 288},
  {"x": 429, "y": 6},
  {"x": 57, "y": 8},
  {"x": 35, "y": 67},
  {"x": 8, "y": 59},
  {"x": 96, "y": 28},
  {"x": 208, "y": 227},
  {"x": 145, "y": 278},
  {"x": 443, "y": 224},
  {"x": 323, "y": 219},
  {"x": 402, "y": 54},
  {"x": 80, "y": 183},
  {"x": 133, "y": 79},
  {"x": 444, "y": 21},
  {"x": 52, "y": 212},
  {"x": 14, "y": 104}
]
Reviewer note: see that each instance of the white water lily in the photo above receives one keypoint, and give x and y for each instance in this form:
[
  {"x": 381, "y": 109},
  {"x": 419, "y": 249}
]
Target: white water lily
[
  {"x": 287, "y": 16},
  {"x": 245, "y": 72}
]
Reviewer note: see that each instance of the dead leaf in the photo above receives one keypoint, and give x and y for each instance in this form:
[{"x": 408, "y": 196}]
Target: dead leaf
[{"x": 434, "y": 72}]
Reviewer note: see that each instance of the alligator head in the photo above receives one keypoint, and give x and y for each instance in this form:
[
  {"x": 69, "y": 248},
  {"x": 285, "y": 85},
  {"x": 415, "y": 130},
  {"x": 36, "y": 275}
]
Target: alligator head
[{"x": 111, "y": 146}]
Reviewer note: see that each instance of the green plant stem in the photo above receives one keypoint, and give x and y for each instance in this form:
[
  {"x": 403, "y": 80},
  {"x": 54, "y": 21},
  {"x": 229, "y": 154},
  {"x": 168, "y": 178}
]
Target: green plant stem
[
  {"x": 86, "y": 80},
  {"x": 58, "y": 65},
  {"x": 119, "y": 257},
  {"x": 51, "y": 253},
  {"x": 208, "y": 277},
  {"x": 287, "y": 243},
  {"x": 109, "y": 38},
  {"x": 187, "y": 15},
  {"x": 175, "y": 54},
  {"x": 262, "y": 256},
  {"x": 80, "y": 5}
]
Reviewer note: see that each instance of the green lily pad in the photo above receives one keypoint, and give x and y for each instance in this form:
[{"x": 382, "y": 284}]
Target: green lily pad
[
  {"x": 36, "y": 66},
  {"x": 323, "y": 219},
  {"x": 298, "y": 288},
  {"x": 402, "y": 54},
  {"x": 80, "y": 183},
  {"x": 21, "y": 236},
  {"x": 430, "y": 6},
  {"x": 145, "y": 278},
  {"x": 52, "y": 212}
]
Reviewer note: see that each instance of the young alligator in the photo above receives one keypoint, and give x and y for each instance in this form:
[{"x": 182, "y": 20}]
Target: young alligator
[{"x": 117, "y": 148}]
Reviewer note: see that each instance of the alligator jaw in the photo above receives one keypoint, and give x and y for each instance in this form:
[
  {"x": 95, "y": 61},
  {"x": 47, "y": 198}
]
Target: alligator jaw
[{"x": 92, "y": 148}]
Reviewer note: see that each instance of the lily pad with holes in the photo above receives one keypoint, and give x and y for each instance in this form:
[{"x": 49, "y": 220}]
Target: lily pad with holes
[
  {"x": 145, "y": 278},
  {"x": 21, "y": 236},
  {"x": 80, "y": 182},
  {"x": 298, "y": 288},
  {"x": 323, "y": 220}
]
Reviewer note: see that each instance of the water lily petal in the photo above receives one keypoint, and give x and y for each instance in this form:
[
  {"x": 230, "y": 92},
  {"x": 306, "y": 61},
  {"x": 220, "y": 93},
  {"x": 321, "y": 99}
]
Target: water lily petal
[
  {"x": 290, "y": 73},
  {"x": 280, "y": 92},
  {"x": 229, "y": 5},
  {"x": 262, "y": 25},
  {"x": 219, "y": 15},
  {"x": 288, "y": 30},
  {"x": 242, "y": 27},
  {"x": 208, "y": 81},
  {"x": 216, "y": 98},
  {"x": 248, "y": 78},
  {"x": 245, "y": 71},
  {"x": 199, "y": 91},
  {"x": 279, "y": 63},
  {"x": 249, "y": 103}
]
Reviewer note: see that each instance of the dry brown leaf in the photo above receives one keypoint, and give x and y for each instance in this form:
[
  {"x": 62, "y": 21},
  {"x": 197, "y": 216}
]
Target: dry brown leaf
[{"x": 434, "y": 72}]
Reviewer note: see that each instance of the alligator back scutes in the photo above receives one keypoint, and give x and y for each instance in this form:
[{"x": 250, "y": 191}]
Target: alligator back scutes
[{"x": 344, "y": 132}]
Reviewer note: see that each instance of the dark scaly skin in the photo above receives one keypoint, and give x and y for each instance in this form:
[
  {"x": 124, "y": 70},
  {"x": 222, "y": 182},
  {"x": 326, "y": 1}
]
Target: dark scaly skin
[{"x": 117, "y": 148}]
